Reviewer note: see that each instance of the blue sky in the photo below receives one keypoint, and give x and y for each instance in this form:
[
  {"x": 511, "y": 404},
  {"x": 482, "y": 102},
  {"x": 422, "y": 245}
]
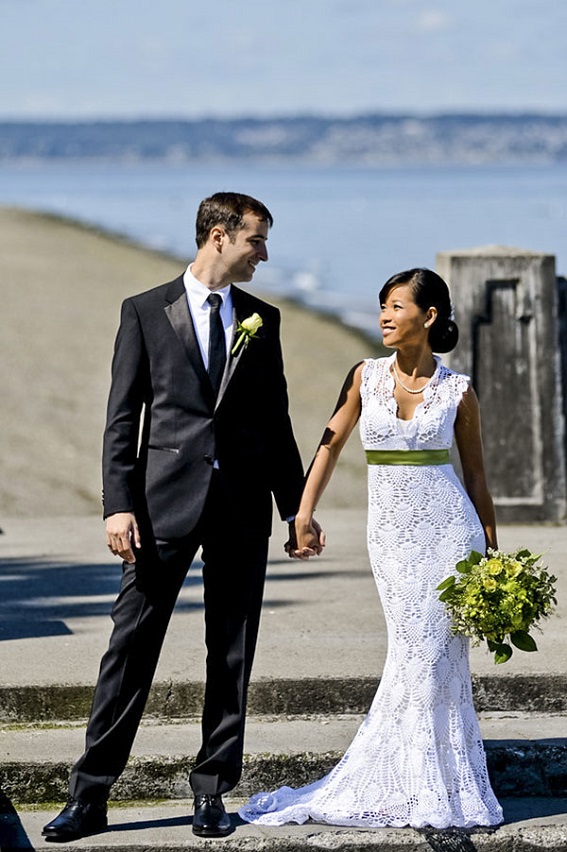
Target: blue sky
[{"x": 184, "y": 58}]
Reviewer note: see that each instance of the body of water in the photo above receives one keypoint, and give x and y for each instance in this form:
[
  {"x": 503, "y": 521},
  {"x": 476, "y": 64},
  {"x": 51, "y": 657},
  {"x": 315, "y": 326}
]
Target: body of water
[{"x": 339, "y": 232}]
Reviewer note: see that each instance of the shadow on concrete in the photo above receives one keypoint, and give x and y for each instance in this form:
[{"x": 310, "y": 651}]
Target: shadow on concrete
[
  {"x": 166, "y": 822},
  {"x": 279, "y": 576},
  {"x": 12, "y": 833},
  {"x": 37, "y": 598},
  {"x": 14, "y": 628},
  {"x": 516, "y": 810},
  {"x": 449, "y": 840},
  {"x": 144, "y": 824}
]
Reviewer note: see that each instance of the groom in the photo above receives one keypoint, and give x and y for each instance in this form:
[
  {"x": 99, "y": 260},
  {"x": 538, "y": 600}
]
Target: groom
[{"x": 197, "y": 440}]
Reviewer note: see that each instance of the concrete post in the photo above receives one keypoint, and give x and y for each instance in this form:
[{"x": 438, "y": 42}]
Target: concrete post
[{"x": 506, "y": 306}]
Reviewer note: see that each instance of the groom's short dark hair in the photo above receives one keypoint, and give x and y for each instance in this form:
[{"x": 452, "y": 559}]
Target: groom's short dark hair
[{"x": 227, "y": 209}]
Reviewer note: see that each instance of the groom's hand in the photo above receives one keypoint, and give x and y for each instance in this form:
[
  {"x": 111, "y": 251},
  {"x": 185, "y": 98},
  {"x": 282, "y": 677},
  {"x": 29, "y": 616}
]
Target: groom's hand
[{"x": 121, "y": 533}]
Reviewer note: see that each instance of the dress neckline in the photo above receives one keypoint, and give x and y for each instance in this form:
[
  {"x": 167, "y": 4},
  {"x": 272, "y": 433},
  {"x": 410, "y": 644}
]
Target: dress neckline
[{"x": 427, "y": 391}]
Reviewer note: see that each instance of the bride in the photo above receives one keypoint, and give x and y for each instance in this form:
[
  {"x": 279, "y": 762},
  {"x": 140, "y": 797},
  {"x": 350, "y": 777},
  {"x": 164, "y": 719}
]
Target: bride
[{"x": 418, "y": 758}]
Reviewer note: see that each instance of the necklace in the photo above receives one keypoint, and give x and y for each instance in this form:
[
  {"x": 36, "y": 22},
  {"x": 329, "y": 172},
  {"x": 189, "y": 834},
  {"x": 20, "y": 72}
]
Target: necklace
[{"x": 409, "y": 390}]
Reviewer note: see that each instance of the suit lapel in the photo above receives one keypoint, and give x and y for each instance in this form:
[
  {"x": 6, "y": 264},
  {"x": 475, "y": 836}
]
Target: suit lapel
[{"x": 179, "y": 315}]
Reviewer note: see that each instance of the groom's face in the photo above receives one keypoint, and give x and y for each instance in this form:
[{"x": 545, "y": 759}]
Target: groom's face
[{"x": 244, "y": 249}]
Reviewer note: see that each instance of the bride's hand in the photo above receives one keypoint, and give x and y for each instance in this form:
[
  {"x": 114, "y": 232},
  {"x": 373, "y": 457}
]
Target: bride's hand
[{"x": 310, "y": 538}]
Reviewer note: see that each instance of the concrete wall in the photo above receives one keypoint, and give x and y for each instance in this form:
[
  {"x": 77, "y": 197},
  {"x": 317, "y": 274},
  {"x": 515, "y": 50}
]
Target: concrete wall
[{"x": 506, "y": 306}]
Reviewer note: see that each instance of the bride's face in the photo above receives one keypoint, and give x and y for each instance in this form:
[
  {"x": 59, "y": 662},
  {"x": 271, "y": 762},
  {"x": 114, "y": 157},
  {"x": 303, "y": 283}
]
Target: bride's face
[{"x": 401, "y": 320}]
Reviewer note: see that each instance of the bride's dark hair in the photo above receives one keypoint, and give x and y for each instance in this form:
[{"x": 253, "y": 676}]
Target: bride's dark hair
[{"x": 429, "y": 291}]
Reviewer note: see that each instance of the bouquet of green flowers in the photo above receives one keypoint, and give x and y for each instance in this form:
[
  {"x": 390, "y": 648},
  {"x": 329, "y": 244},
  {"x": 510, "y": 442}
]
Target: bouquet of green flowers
[{"x": 497, "y": 596}]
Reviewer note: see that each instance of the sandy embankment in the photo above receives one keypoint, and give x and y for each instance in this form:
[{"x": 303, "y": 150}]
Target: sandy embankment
[{"x": 62, "y": 285}]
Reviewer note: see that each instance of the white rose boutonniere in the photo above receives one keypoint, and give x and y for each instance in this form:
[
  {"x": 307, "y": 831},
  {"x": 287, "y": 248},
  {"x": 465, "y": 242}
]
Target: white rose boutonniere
[{"x": 247, "y": 329}]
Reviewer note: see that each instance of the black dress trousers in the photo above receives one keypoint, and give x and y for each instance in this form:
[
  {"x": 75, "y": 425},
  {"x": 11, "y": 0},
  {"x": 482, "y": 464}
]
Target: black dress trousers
[{"x": 233, "y": 576}]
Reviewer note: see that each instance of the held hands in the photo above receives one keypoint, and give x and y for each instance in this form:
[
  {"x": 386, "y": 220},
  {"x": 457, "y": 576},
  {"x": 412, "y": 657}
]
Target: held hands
[
  {"x": 121, "y": 534},
  {"x": 306, "y": 538}
]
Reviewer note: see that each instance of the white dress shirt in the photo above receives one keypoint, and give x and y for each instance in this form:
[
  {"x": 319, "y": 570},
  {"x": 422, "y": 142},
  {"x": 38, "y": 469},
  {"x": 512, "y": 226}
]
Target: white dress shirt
[{"x": 197, "y": 295}]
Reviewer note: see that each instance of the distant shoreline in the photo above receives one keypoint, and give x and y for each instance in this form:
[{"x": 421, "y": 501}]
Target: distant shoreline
[{"x": 370, "y": 139}]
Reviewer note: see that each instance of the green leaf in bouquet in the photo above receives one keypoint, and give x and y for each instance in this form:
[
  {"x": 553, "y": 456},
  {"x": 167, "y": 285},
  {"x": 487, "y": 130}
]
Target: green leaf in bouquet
[
  {"x": 463, "y": 567},
  {"x": 523, "y": 641},
  {"x": 526, "y": 554},
  {"x": 502, "y": 654},
  {"x": 446, "y": 584},
  {"x": 475, "y": 557},
  {"x": 446, "y": 595}
]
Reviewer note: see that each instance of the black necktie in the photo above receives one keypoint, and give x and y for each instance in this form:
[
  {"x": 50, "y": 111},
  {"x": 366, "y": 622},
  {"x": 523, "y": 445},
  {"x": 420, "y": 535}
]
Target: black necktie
[{"x": 217, "y": 342}]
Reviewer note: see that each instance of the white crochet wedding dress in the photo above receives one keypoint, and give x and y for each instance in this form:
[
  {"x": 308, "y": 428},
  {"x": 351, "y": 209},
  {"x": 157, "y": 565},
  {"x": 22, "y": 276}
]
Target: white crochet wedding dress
[{"x": 417, "y": 759}]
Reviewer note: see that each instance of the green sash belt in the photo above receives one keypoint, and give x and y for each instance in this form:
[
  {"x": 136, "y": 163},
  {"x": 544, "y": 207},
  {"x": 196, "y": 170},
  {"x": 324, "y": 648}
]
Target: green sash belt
[{"x": 414, "y": 457}]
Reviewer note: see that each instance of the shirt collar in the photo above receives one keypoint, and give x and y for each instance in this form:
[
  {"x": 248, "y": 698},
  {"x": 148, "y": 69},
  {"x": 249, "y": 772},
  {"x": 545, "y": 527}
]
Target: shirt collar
[{"x": 200, "y": 293}]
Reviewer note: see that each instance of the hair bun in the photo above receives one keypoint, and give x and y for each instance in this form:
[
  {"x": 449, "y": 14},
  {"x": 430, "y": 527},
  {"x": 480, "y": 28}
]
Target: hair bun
[{"x": 443, "y": 334}]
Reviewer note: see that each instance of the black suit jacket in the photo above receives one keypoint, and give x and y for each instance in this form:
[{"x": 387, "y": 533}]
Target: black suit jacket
[{"x": 164, "y": 427}]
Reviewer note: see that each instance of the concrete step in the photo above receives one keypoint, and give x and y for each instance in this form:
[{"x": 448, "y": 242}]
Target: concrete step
[
  {"x": 527, "y": 755},
  {"x": 531, "y": 825},
  {"x": 544, "y": 693}
]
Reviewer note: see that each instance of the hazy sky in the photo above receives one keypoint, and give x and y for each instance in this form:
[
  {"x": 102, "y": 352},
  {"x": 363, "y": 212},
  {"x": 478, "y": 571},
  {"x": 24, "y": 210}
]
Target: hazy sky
[{"x": 185, "y": 58}]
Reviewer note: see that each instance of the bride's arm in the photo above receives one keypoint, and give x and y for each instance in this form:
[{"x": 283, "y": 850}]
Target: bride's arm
[
  {"x": 469, "y": 442},
  {"x": 339, "y": 427}
]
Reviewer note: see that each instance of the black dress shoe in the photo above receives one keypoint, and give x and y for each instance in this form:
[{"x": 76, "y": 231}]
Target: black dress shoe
[
  {"x": 211, "y": 819},
  {"x": 77, "y": 819}
]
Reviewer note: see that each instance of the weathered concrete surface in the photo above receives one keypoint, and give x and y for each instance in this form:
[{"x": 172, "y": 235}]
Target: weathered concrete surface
[
  {"x": 506, "y": 304},
  {"x": 530, "y": 825},
  {"x": 541, "y": 693}
]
